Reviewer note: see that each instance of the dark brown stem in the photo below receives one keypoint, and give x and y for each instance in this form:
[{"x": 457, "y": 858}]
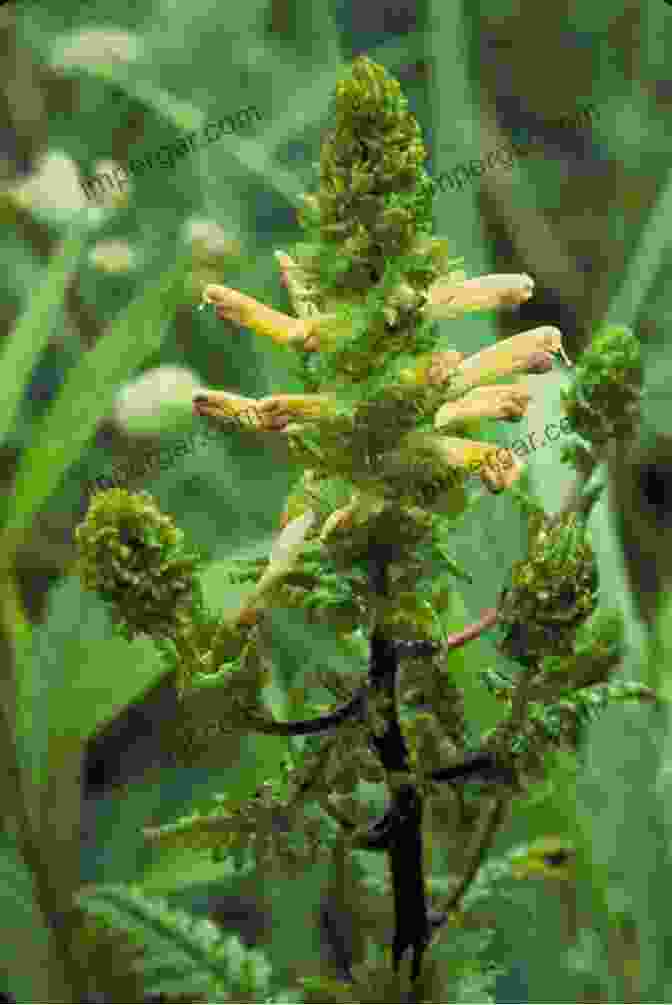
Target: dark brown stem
[
  {"x": 484, "y": 765},
  {"x": 400, "y": 830},
  {"x": 303, "y": 727}
]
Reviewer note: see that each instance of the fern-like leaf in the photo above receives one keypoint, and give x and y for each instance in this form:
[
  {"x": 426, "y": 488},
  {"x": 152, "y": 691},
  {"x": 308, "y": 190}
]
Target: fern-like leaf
[{"x": 182, "y": 957}]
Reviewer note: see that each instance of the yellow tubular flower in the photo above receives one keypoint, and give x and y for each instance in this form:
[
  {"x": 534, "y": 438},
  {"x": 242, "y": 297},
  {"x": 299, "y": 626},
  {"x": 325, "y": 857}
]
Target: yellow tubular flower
[
  {"x": 498, "y": 401},
  {"x": 272, "y": 412},
  {"x": 295, "y": 280},
  {"x": 511, "y": 355},
  {"x": 224, "y": 406},
  {"x": 449, "y": 298},
  {"x": 231, "y": 305},
  {"x": 343, "y": 517},
  {"x": 497, "y": 467}
]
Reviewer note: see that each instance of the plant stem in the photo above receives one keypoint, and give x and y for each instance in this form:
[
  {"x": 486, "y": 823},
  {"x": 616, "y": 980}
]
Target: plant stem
[
  {"x": 487, "y": 620},
  {"x": 403, "y": 819},
  {"x": 303, "y": 727}
]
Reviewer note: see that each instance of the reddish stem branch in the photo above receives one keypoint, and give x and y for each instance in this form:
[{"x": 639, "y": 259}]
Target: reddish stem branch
[{"x": 487, "y": 620}]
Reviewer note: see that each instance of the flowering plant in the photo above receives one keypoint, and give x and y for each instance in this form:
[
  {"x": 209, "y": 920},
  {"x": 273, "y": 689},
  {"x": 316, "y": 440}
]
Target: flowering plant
[{"x": 382, "y": 425}]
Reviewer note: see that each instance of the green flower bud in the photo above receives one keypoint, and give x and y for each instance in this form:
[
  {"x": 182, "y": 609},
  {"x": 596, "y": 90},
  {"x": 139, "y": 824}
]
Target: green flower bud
[
  {"x": 133, "y": 556},
  {"x": 553, "y": 591},
  {"x": 604, "y": 399}
]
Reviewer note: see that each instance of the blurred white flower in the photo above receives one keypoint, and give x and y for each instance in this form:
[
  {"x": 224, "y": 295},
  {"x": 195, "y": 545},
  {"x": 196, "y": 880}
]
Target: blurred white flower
[
  {"x": 288, "y": 543},
  {"x": 159, "y": 399},
  {"x": 53, "y": 187},
  {"x": 93, "y": 48},
  {"x": 113, "y": 256},
  {"x": 109, "y": 186},
  {"x": 208, "y": 240}
]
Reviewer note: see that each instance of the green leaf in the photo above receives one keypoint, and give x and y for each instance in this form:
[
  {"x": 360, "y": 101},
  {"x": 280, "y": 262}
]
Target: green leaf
[
  {"x": 645, "y": 263},
  {"x": 187, "y": 954},
  {"x": 87, "y": 396},
  {"x": 80, "y": 674},
  {"x": 659, "y": 675},
  {"x": 624, "y": 812},
  {"x": 34, "y": 328}
]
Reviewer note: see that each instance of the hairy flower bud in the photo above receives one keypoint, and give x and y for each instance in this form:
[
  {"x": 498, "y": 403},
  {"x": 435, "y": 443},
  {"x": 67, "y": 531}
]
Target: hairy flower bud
[
  {"x": 552, "y": 592},
  {"x": 133, "y": 556},
  {"x": 604, "y": 398}
]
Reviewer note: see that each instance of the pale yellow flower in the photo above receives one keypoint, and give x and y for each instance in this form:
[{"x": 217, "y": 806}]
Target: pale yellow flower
[
  {"x": 498, "y": 401},
  {"x": 272, "y": 412},
  {"x": 511, "y": 355},
  {"x": 95, "y": 48},
  {"x": 448, "y": 298},
  {"x": 231, "y": 305},
  {"x": 208, "y": 241},
  {"x": 113, "y": 256},
  {"x": 496, "y": 466},
  {"x": 294, "y": 278}
]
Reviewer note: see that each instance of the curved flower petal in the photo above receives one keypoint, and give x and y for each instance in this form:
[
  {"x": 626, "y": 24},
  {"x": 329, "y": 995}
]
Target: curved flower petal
[
  {"x": 225, "y": 407},
  {"x": 511, "y": 355},
  {"x": 231, "y": 305},
  {"x": 272, "y": 412},
  {"x": 277, "y": 410},
  {"x": 498, "y": 401},
  {"x": 449, "y": 299},
  {"x": 497, "y": 466}
]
